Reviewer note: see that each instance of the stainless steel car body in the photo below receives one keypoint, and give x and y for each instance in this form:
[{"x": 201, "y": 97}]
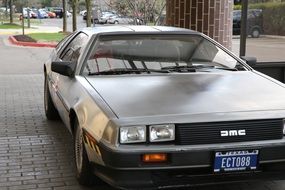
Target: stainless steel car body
[{"x": 102, "y": 104}]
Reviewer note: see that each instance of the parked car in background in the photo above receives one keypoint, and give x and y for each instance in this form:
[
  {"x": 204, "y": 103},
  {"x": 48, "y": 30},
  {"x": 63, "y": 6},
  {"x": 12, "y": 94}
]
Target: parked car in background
[
  {"x": 93, "y": 19},
  {"x": 116, "y": 19},
  {"x": 42, "y": 14},
  {"x": 57, "y": 10},
  {"x": 34, "y": 13},
  {"x": 3, "y": 10},
  {"x": 28, "y": 13},
  {"x": 254, "y": 22},
  {"x": 153, "y": 106},
  {"x": 82, "y": 13},
  {"x": 68, "y": 14},
  {"x": 105, "y": 17}
]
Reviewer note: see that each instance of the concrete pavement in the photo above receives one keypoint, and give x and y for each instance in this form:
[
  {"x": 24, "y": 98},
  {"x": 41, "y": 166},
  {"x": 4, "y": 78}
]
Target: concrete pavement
[{"x": 33, "y": 29}]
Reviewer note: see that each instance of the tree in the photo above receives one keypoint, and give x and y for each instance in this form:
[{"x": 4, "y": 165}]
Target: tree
[
  {"x": 6, "y": 6},
  {"x": 46, "y": 3},
  {"x": 64, "y": 16},
  {"x": 148, "y": 10},
  {"x": 74, "y": 14},
  {"x": 81, "y": 4},
  {"x": 88, "y": 9},
  {"x": 11, "y": 11}
]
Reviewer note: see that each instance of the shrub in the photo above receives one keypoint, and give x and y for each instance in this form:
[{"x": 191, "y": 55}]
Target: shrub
[
  {"x": 237, "y": 7},
  {"x": 273, "y": 17}
]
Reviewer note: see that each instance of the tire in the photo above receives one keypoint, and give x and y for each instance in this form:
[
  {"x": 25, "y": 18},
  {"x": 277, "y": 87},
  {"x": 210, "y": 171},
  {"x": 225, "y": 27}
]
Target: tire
[
  {"x": 50, "y": 110},
  {"x": 255, "y": 33},
  {"x": 83, "y": 167},
  {"x": 116, "y": 22}
]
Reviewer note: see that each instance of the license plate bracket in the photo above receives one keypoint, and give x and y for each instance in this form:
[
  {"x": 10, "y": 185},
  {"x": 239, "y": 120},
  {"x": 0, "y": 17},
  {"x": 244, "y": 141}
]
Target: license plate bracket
[{"x": 231, "y": 161}]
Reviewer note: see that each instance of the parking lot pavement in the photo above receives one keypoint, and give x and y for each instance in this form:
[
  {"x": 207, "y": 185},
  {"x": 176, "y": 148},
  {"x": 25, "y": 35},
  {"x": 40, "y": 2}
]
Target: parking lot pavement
[
  {"x": 36, "y": 153},
  {"x": 265, "y": 49}
]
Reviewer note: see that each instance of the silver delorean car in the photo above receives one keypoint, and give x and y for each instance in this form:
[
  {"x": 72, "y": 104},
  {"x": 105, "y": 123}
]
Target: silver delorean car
[{"x": 158, "y": 107}]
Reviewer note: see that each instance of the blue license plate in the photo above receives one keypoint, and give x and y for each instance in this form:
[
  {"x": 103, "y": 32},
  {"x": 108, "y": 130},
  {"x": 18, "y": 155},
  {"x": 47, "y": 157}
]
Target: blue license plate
[{"x": 236, "y": 161}]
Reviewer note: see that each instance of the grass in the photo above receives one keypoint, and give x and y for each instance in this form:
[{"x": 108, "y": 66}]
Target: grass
[
  {"x": 10, "y": 26},
  {"x": 47, "y": 37}
]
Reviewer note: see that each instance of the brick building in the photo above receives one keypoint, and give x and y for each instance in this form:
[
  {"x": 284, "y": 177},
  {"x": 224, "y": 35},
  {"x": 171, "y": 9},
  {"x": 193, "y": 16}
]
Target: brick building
[{"x": 212, "y": 17}]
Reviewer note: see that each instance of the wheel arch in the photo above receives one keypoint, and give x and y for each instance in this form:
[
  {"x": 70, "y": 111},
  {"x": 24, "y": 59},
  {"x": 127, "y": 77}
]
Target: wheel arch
[
  {"x": 72, "y": 119},
  {"x": 45, "y": 69},
  {"x": 255, "y": 27}
]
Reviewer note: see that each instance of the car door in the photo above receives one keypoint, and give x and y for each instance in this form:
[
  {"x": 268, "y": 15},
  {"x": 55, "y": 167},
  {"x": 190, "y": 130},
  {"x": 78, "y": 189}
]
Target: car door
[
  {"x": 51, "y": 76},
  {"x": 70, "y": 52}
]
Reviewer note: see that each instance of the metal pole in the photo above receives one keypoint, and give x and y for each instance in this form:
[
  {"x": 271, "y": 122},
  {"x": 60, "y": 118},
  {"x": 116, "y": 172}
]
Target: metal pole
[
  {"x": 28, "y": 17},
  {"x": 243, "y": 28},
  {"x": 64, "y": 28}
]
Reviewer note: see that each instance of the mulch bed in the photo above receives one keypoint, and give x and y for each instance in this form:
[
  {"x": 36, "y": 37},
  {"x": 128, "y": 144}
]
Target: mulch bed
[{"x": 24, "y": 38}]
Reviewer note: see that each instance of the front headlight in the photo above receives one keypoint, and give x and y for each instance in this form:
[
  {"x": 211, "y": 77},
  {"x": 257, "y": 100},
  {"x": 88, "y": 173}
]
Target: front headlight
[
  {"x": 133, "y": 134},
  {"x": 159, "y": 133}
]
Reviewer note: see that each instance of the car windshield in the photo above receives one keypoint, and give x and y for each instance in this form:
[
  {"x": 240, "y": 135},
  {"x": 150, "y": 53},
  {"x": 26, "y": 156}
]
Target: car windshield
[{"x": 174, "y": 53}]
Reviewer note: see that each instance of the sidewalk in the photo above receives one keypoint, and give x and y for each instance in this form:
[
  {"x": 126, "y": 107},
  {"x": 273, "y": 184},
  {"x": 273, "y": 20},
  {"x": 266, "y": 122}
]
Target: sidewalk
[{"x": 33, "y": 29}]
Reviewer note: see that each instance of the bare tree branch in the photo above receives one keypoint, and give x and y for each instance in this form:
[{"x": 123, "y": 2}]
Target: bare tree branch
[{"x": 160, "y": 13}]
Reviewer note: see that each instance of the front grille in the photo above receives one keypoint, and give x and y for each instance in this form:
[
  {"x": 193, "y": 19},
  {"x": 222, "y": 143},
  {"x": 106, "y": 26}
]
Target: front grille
[{"x": 209, "y": 133}]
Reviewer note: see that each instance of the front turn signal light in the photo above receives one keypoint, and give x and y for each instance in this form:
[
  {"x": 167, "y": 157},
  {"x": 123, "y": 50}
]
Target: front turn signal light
[{"x": 154, "y": 158}]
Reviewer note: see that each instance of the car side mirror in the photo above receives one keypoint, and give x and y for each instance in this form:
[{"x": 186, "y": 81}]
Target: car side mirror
[
  {"x": 66, "y": 68},
  {"x": 251, "y": 61}
]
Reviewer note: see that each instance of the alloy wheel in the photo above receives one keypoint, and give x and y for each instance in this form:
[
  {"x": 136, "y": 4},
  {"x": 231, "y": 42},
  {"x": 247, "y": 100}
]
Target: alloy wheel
[{"x": 78, "y": 149}]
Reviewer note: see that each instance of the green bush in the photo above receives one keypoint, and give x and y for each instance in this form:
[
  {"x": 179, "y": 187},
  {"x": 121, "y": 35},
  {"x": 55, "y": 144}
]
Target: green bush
[
  {"x": 273, "y": 17},
  {"x": 237, "y": 7}
]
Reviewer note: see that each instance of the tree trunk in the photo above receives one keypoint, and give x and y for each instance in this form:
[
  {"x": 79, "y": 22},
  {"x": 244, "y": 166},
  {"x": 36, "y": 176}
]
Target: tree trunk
[
  {"x": 7, "y": 6},
  {"x": 64, "y": 16},
  {"x": 88, "y": 8},
  {"x": 11, "y": 11},
  {"x": 74, "y": 15}
]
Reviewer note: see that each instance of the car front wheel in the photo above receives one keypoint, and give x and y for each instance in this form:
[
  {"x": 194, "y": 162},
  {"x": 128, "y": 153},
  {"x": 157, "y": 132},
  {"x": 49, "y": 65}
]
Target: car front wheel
[
  {"x": 50, "y": 110},
  {"x": 83, "y": 168}
]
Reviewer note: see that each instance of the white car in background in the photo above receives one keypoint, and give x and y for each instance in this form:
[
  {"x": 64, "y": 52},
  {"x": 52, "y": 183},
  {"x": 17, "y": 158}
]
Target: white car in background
[
  {"x": 68, "y": 14},
  {"x": 82, "y": 12},
  {"x": 105, "y": 17},
  {"x": 119, "y": 19},
  {"x": 3, "y": 10},
  {"x": 25, "y": 12}
]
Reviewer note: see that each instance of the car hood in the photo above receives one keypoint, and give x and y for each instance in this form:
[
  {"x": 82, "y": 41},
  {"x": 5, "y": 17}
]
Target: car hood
[{"x": 187, "y": 94}]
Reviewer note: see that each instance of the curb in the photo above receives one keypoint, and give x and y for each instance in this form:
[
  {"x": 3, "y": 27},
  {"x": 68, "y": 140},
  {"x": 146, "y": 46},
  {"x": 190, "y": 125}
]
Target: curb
[
  {"x": 263, "y": 36},
  {"x": 30, "y": 44},
  {"x": 273, "y": 36}
]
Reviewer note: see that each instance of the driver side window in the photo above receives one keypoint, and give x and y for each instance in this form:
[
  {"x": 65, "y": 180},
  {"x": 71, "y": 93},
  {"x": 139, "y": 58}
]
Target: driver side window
[{"x": 73, "y": 49}]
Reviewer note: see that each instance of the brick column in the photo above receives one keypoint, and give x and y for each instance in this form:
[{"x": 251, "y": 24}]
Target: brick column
[{"x": 212, "y": 17}]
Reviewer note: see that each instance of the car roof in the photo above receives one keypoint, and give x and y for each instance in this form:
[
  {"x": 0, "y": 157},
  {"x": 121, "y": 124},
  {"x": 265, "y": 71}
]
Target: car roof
[{"x": 135, "y": 29}]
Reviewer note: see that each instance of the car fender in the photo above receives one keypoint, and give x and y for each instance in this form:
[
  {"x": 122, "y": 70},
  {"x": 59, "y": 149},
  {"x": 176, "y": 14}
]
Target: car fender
[{"x": 91, "y": 135}]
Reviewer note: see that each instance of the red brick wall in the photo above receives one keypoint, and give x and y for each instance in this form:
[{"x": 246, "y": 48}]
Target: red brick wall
[{"x": 212, "y": 17}]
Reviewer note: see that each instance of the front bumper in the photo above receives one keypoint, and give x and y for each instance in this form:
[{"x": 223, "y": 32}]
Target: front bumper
[{"x": 127, "y": 171}]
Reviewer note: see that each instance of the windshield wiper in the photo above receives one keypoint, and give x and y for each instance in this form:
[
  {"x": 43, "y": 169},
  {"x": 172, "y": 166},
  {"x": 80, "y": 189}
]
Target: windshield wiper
[
  {"x": 193, "y": 68},
  {"x": 127, "y": 71},
  {"x": 186, "y": 68},
  {"x": 227, "y": 69}
]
